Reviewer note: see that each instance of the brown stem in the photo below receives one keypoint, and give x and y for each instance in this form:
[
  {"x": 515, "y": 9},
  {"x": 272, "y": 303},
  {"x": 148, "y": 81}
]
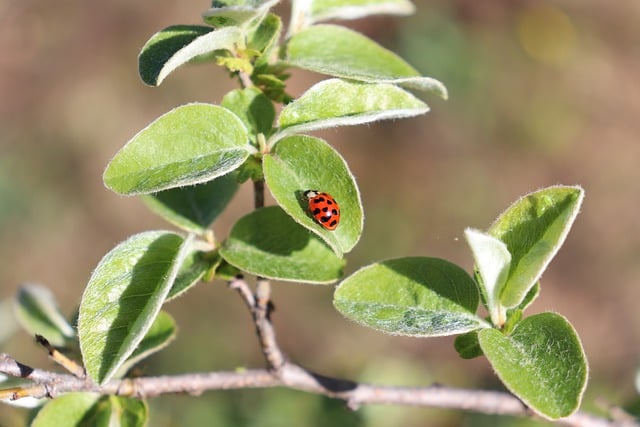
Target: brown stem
[
  {"x": 260, "y": 307},
  {"x": 51, "y": 384},
  {"x": 258, "y": 194}
]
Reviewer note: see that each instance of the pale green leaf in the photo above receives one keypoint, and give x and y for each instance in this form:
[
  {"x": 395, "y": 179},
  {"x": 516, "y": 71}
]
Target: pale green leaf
[
  {"x": 37, "y": 310},
  {"x": 542, "y": 362},
  {"x": 264, "y": 39},
  {"x": 162, "y": 332},
  {"x": 92, "y": 410},
  {"x": 128, "y": 412},
  {"x": 194, "y": 267},
  {"x": 323, "y": 10},
  {"x": 194, "y": 208},
  {"x": 492, "y": 261},
  {"x": 359, "y": 103},
  {"x": 191, "y": 144},
  {"x": 415, "y": 296},
  {"x": 268, "y": 243},
  {"x": 244, "y": 13},
  {"x": 340, "y": 52},
  {"x": 300, "y": 163},
  {"x": 252, "y": 107},
  {"x": 177, "y": 45},
  {"x": 123, "y": 298},
  {"x": 69, "y": 410},
  {"x": 534, "y": 228}
]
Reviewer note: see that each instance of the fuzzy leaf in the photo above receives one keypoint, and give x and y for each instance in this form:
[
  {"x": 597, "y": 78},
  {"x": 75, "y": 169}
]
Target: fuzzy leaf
[
  {"x": 542, "y": 362},
  {"x": 90, "y": 409},
  {"x": 191, "y": 144},
  {"x": 293, "y": 167},
  {"x": 268, "y": 243},
  {"x": 265, "y": 37},
  {"x": 359, "y": 103},
  {"x": 194, "y": 208},
  {"x": 340, "y": 52},
  {"x": 123, "y": 298},
  {"x": 162, "y": 332},
  {"x": 467, "y": 345},
  {"x": 416, "y": 296},
  {"x": 534, "y": 228},
  {"x": 177, "y": 45},
  {"x": 243, "y": 13},
  {"x": 323, "y": 10},
  {"x": 194, "y": 267},
  {"x": 252, "y": 107},
  {"x": 37, "y": 310},
  {"x": 492, "y": 261}
]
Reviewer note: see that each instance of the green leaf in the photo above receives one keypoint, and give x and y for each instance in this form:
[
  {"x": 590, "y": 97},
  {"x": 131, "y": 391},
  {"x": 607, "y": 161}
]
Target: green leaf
[
  {"x": 268, "y": 243},
  {"x": 340, "y": 52},
  {"x": 128, "y": 412},
  {"x": 191, "y": 144},
  {"x": 162, "y": 332},
  {"x": 237, "y": 12},
  {"x": 90, "y": 409},
  {"x": 252, "y": 107},
  {"x": 416, "y": 296},
  {"x": 336, "y": 102},
  {"x": 323, "y": 10},
  {"x": 264, "y": 38},
  {"x": 71, "y": 409},
  {"x": 251, "y": 169},
  {"x": 123, "y": 298},
  {"x": 225, "y": 271},
  {"x": 37, "y": 311},
  {"x": 534, "y": 228},
  {"x": 176, "y": 45},
  {"x": 467, "y": 345},
  {"x": 492, "y": 261},
  {"x": 542, "y": 362},
  {"x": 194, "y": 267},
  {"x": 194, "y": 208},
  {"x": 300, "y": 163},
  {"x": 530, "y": 297}
]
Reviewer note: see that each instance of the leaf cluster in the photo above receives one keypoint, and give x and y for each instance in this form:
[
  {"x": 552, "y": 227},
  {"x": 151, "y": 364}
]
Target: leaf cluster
[{"x": 188, "y": 164}]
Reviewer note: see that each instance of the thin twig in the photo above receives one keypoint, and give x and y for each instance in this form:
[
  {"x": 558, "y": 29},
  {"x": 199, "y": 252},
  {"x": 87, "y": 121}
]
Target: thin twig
[
  {"x": 264, "y": 327},
  {"x": 70, "y": 365},
  {"x": 242, "y": 287},
  {"x": 261, "y": 307}
]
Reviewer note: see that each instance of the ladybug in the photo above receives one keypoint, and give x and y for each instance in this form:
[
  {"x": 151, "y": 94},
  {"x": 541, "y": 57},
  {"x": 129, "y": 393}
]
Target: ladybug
[{"x": 324, "y": 209}]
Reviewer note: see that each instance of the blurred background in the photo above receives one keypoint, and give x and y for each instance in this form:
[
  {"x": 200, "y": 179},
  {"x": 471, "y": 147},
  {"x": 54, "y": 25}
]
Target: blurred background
[{"x": 541, "y": 93}]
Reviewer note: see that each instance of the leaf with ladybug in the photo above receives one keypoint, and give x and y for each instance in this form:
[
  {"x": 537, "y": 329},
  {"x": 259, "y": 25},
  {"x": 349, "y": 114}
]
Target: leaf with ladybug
[{"x": 299, "y": 164}]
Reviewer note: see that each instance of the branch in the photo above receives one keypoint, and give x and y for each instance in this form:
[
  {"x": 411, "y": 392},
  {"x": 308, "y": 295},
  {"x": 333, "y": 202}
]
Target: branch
[
  {"x": 261, "y": 307},
  {"x": 280, "y": 373},
  {"x": 51, "y": 384}
]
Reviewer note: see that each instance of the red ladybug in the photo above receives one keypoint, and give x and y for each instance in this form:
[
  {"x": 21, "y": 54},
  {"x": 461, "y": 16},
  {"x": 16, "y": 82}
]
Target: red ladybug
[{"x": 324, "y": 209}]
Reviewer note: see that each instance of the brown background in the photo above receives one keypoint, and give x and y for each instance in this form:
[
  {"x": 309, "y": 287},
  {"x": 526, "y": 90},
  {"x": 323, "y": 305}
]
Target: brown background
[{"x": 540, "y": 94}]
